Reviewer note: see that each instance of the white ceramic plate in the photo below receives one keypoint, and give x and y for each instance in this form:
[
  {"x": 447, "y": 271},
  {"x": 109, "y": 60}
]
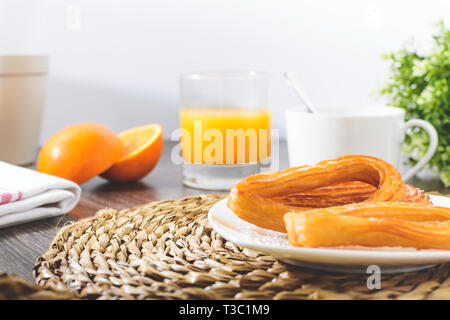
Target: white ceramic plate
[{"x": 390, "y": 260}]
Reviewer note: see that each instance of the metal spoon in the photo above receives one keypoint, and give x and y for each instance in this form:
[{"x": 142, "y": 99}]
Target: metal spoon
[{"x": 290, "y": 79}]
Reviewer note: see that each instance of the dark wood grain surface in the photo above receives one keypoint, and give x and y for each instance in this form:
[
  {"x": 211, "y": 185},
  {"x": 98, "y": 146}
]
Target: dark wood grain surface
[{"x": 21, "y": 245}]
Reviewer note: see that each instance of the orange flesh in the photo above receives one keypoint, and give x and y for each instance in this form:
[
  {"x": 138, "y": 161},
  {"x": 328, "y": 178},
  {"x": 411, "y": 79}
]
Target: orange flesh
[
  {"x": 135, "y": 140},
  {"x": 143, "y": 148}
]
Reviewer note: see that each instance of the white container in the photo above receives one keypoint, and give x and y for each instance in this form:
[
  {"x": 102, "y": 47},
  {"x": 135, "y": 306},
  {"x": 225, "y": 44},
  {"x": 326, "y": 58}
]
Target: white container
[{"x": 23, "y": 86}]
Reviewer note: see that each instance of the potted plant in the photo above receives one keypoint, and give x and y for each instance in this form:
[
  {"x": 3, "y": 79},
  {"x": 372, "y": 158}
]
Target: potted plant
[{"x": 420, "y": 84}]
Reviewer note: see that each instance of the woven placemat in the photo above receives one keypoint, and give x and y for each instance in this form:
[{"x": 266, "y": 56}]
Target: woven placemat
[
  {"x": 166, "y": 250},
  {"x": 13, "y": 288}
]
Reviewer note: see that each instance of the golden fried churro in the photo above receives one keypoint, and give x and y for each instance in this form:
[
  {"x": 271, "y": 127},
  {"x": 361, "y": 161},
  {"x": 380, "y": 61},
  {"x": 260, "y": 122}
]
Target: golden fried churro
[
  {"x": 345, "y": 193},
  {"x": 371, "y": 224},
  {"x": 264, "y": 198}
]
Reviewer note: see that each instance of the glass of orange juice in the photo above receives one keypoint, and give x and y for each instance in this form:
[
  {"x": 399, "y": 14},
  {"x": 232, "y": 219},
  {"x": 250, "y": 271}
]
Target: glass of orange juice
[{"x": 225, "y": 127}]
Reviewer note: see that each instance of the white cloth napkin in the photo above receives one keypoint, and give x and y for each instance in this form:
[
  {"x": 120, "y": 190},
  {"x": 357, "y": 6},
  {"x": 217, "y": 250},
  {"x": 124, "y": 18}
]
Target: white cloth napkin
[{"x": 27, "y": 195}]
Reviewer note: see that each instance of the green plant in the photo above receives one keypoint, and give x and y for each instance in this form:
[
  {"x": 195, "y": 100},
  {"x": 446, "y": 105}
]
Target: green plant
[{"x": 419, "y": 83}]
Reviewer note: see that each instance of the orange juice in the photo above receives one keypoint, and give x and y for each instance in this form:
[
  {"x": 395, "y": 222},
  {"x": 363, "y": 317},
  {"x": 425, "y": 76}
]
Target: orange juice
[{"x": 225, "y": 135}]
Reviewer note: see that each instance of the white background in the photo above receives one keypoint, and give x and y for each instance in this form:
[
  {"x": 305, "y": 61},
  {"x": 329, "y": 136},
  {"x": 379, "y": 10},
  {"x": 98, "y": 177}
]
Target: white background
[{"x": 118, "y": 62}]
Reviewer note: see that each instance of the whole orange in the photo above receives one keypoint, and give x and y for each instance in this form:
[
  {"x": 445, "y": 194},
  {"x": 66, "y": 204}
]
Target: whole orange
[
  {"x": 80, "y": 152},
  {"x": 142, "y": 149}
]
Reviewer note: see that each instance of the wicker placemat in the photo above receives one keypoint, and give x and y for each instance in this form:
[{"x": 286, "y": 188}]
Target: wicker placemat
[
  {"x": 166, "y": 250},
  {"x": 13, "y": 287}
]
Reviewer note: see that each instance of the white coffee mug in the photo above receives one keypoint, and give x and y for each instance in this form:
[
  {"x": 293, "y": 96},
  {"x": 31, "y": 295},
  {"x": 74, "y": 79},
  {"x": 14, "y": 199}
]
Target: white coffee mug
[
  {"x": 23, "y": 84},
  {"x": 372, "y": 131}
]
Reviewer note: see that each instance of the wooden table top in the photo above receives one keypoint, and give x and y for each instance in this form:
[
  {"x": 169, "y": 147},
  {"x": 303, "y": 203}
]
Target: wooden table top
[{"x": 21, "y": 245}]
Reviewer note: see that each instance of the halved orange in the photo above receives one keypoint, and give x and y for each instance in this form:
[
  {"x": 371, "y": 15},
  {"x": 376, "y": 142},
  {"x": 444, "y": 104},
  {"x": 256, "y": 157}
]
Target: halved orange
[{"x": 142, "y": 149}]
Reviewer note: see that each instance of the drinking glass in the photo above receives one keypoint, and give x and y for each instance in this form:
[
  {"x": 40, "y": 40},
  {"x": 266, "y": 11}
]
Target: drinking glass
[{"x": 225, "y": 127}]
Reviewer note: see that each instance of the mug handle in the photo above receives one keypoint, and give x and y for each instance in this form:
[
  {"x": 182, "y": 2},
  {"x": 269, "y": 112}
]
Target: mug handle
[{"x": 432, "y": 133}]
